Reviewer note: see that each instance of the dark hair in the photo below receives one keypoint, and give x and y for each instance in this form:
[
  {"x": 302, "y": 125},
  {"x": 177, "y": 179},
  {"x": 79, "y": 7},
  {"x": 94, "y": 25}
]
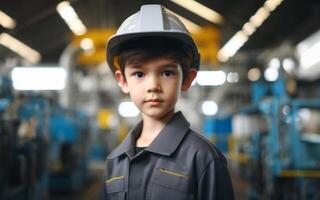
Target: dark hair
[{"x": 142, "y": 50}]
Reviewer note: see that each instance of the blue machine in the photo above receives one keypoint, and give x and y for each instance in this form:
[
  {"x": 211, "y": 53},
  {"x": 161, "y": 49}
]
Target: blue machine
[
  {"x": 69, "y": 154},
  {"x": 284, "y": 164},
  {"x": 35, "y": 112},
  {"x": 43, "y": 147},
  {"x": 218, "y": 130},
  {"x": 23, "y": 145},
  {"x": 6, "y": 95}
]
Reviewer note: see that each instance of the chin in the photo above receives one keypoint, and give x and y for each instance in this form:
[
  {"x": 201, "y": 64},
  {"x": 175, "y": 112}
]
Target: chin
[{"x": 157, "y": 114}]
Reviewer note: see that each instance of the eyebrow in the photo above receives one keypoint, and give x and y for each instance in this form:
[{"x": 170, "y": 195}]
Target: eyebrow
[{"x": 169, "y": 65}]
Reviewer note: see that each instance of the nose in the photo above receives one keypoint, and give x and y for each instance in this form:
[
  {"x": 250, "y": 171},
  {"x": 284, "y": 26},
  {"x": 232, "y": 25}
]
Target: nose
[{"x": 153, "y": 84}]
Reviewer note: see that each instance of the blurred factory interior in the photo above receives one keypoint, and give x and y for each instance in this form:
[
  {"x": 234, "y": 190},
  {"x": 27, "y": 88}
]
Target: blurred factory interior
[{"x": 257, "y": 96}]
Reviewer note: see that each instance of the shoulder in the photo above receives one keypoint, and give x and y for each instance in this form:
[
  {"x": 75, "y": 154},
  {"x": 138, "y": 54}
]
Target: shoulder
[
  {"x": 114, "y": 153},
  {"x": 203, "y": 148}
]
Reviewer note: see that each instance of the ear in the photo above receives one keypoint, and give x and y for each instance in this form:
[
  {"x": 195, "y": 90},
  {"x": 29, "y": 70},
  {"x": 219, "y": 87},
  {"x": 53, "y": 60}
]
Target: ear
[
  {"x": 121, "y": 81},
  {"x": 188, "y": 80}
]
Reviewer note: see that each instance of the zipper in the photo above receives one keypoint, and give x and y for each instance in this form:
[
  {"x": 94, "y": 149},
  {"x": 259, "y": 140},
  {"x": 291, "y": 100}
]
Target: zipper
[{"x": 173, "y": 173}]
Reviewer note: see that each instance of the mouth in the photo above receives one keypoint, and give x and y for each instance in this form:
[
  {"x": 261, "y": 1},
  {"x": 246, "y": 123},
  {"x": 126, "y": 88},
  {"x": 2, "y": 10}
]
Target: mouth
[{"x": 154, "y": 101}]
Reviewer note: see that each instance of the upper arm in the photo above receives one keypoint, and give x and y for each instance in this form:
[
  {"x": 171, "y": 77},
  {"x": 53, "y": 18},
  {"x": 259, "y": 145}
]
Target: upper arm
[{"x": 215, "y": 182}]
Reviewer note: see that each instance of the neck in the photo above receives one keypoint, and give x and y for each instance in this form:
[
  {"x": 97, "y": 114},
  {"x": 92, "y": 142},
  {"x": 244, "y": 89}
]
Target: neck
[{"x": 151, "y": 128}]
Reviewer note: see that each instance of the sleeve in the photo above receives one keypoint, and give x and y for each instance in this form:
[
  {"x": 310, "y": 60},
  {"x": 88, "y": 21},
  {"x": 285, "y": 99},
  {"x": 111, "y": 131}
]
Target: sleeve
[
  {"x": 103, "y": 192},
  {"x": 215, "y": 182}
]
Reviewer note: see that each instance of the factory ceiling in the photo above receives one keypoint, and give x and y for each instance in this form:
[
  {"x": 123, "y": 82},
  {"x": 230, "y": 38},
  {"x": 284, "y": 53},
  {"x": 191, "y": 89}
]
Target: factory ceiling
[{"x": 39, "y": 25}]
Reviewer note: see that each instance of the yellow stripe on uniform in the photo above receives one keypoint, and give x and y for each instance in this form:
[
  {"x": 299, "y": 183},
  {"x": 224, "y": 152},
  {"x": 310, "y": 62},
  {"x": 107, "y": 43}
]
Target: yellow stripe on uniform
[
  {"x": 114, "y": 178},
  {"x": 173, "y": 173}
]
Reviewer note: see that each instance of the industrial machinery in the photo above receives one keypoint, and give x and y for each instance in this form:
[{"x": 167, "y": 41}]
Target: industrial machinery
[
  {"x": 68, "y": 156},
  {"x": 12, "y": 185},
  {"x": 281, "y": 156},
  {"x": 218, "y": 130},
  {"x": 23, "y": 145},
  {"x": 33, "y": 114},
  {"x": 43, "y": 147}
]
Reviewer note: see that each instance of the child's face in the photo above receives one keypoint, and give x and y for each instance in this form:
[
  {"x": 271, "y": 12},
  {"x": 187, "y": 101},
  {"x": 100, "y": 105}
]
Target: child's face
[{"x": 155, "y": 86}]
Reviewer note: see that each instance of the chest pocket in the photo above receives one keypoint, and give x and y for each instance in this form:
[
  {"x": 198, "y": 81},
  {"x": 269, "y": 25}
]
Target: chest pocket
[
  {"x": 115, "y": 188},
  {"x": 170, "y": 184}
]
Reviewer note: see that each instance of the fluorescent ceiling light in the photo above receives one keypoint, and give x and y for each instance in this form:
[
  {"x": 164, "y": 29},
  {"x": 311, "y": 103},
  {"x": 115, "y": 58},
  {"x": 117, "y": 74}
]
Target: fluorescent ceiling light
[
  {"x": 71, "y": 18},
  {"x": 38, "y": 78},
  {"x": 259, "y": 17},
  {"x": 209, "y": 108},
  {"x": 248, "y": 28},
  {"x": 20, "y": 48},
  {"x": 310, "y": 56},
  {"x": 6, "y": 21},
  {"x": 234, "y": 44},
  {"x": 192, "y": 27},
  {"x": 200, "y": 10},
  {"x": 272, "y": 4},
  {"x": 211, "y": 78},
  {"x": 128, "y": 109}
]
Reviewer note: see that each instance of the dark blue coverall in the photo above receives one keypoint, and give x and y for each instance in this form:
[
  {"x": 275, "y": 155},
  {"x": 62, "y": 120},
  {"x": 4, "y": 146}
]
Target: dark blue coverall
[{"x": 179, "y": 164}]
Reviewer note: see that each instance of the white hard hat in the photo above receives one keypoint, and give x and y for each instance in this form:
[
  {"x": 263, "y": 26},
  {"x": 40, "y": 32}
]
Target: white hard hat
[{"x": 151, "y": 20}]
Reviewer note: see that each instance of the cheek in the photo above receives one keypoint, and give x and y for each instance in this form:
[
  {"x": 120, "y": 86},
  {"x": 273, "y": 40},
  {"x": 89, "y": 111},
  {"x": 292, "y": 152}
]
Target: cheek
[
  {"x": 178, "y": 92},
  {"x": 135, "y": 95},
  {"x": 175, "y": 90}
]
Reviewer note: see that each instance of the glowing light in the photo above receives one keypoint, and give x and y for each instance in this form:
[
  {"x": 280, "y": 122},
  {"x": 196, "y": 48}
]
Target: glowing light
[
  {"x": 232, "y": 46},
  {"x": 254, "y": 74},
  {"x": 259, "y": 17},
  {"x": 232, "y": 77},
  {"x": 209, "y": 108},
  {"x": 271, "y": 74},
  {"x": 6, "y": 21},
  {"x": 288, "y": 64},
  {"x": 20, "y": 48},
  {"x": 274, "y": 63},
  {"x": 201, "y": 10},
  {"x": 256, "y": 20},
  {"x": 38, "y": 78},
  {"x": 86, "y": 44},
  {"x": 128, "y": 109},
  {"x": 310, "y": 56},
  {"x": 211, "y": 78},
  {"x": 71, "y": 18},
  {"x": 248, "y": 28},
  {"x": 192, "y": 27},
  {"x": 271, "y": 5}
]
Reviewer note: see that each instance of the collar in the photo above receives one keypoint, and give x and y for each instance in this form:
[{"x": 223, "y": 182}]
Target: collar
[{"x": 165, "y": 143}]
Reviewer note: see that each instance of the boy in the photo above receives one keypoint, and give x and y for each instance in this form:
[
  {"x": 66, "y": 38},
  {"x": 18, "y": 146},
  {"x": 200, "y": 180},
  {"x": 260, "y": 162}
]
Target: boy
[{"x": 154, "y": 58}]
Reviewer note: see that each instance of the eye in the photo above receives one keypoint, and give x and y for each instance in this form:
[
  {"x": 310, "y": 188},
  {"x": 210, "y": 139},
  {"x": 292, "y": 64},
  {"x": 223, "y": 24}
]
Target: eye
[
  {"x": 138, "y": 74},
  {"x": 167, "y": 73}
]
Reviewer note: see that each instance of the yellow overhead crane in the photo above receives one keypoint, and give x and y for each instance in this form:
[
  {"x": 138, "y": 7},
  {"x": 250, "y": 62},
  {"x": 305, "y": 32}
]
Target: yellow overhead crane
[
  {"x": 98, "y": 54},
  {"x": 207, "y": 40}
]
